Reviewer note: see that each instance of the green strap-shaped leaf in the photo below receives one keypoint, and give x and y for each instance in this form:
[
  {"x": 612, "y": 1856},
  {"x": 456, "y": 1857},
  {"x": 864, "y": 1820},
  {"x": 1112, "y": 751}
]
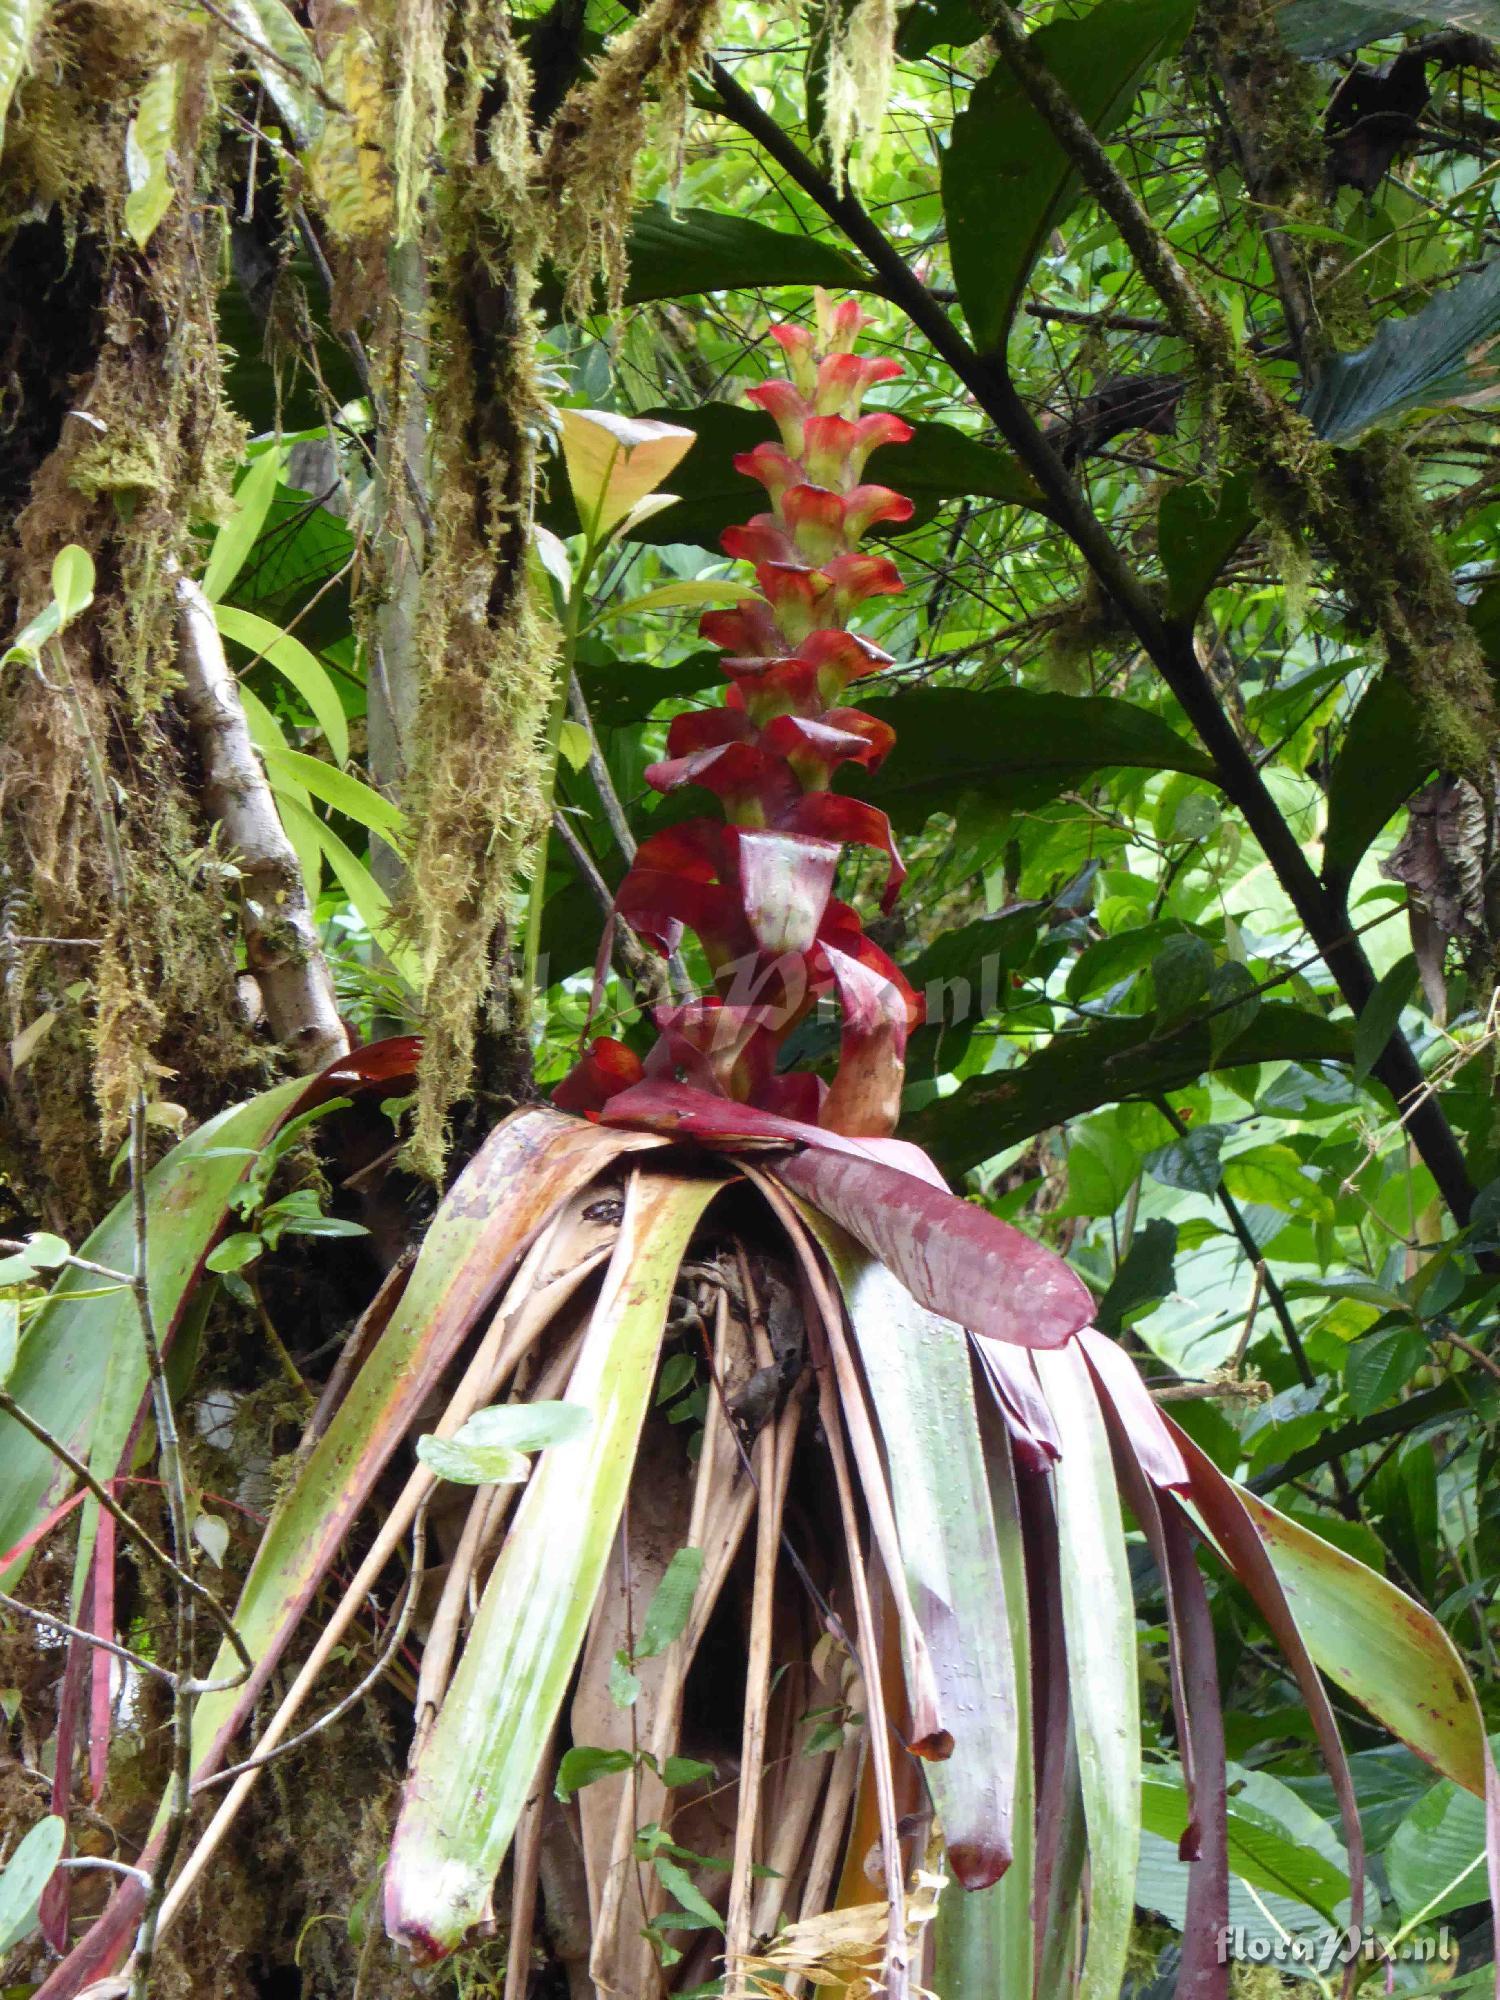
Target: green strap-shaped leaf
[
  {"x": 19, "y": 22},
  {"x": 25, "y": 1876},
  {"x": 698, "y": 250},
  {"x": 1007, "y": 182},
  {"x": 922, "y": 1381},
  {"x": 985, "y": 1937},
  {"x": 472, "y": 1776},
  {"x": 238, "y": 536},
  {"x": 306, "y": 672},
  {"x": 1099, "y": 1619},
  {"x": 81, "y": 1370}
]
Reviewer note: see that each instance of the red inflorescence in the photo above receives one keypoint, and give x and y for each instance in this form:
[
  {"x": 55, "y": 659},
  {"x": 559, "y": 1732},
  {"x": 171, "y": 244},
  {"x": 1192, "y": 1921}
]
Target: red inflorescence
[{"x": 756, "y": 888}]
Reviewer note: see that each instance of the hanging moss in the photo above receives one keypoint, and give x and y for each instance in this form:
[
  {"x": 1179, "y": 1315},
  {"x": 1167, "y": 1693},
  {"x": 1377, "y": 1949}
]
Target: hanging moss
[{"x": 587, "y": 179}]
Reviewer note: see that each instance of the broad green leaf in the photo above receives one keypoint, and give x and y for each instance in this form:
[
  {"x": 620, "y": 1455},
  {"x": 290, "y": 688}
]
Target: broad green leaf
[
  {"x": 289, "y": 72},
  {"x": 72, "y": 582},
  {"x": 939, "y": 464},
  {"x": 1099, "y": 1619},
  {"x": 1378, "y": 1367},
  {"x": 93, "y": 1408},
  {"x": 677, "y": 1882},
  {"x": 1002, "y": 161},
  {"x": 1378, "y": 1644},
  {"x": 1381, "y": 1015},
  {"x": 1180, "y": 973},
  {"x": 1198, "y": 529},
  {"x": 1261, "y": 1851},
  {"x": 999, "y": 750},
  {"x": 25, "y": 1876},
  {"x": 149, "y": 140},
  {"x": 613, "y": 462},
  {"x": 1315, "y": 29},
  {"x": 19, "y": 23},
  {"x": 1145, "y": 1275},
  {"x": 287, "y": 654},
  {"x": 42, "y": 1252},
  {"x": 1441, "y": 357},
  {"x": 1234, "y": 1000},
  {"x": 671, "y": 1604},
  {"x": 934, "y": 24},
  {"x": 1190, "y": 1162},
  {"x": 1435, "y": 1862},
  {"x": 701, "y": 250},
  {"x": 585, "y": 1764},
  {"x": 1118, "y": 1059},
  {"x": 239, "y": 534},
  {"x": 922, "y": 1382},
  {"x": 1383, "y": 759},
  {"x": 1276, "y": 1176},
  {"x": 472, "y": 1775}
]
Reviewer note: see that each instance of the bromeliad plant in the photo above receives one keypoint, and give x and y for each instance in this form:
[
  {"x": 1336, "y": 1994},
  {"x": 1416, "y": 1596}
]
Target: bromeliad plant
[{"x": 807, "y": 1646}]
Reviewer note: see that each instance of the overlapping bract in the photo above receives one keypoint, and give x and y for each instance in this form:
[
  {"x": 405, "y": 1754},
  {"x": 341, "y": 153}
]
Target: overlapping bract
[{"x": 757, "y": 887}]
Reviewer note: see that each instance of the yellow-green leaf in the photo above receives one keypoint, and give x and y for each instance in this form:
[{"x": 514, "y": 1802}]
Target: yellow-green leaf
[
  {"x": 238, "y": 536},
  {"x": 306, "y": 672},
  {"x": 19, "y": 22},
  {"x": 72, "y": 582},
  {"x": 613, "y": 462},
  {"x": 573, "y": 742},
  {"x": 149, "y": 139}
]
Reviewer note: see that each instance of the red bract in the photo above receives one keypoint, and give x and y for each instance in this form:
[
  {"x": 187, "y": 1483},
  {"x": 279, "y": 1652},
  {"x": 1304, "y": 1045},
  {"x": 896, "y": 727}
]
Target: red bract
[{"x": 757, "y": 890}]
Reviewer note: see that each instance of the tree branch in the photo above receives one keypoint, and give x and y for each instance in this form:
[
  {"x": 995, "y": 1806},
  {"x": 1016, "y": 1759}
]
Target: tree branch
[{"x": 282, "y": 948}]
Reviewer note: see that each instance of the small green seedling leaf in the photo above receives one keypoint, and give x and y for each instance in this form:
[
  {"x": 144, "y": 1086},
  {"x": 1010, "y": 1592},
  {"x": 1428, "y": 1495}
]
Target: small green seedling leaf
[
  {"x": 672, "y": 1603},
  {"x": 624, "y": 1686},
  {"x": 43, "y": 1252},
  {"x": 585, "y": 1764},
  {"x": 235, "y": 1252},
  {"x": 489, "y": 1449},
  {"x": 1381, "y": 1015},
  {"x": 677, "y": 1882},
  {"x": 25, "y": 1876},
  {"x": 679, "y": 1771},
  {"x": 211, "y": 1533},
  {"x": 574, "y": 743},
  {"x": 149, "y": 138},
  {"x": 72, "y": 583}
]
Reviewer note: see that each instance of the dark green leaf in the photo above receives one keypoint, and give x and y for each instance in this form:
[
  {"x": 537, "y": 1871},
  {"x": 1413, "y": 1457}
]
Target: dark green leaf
[
  {"x": 1146, "y": 1274},
  {"x": 1234, "y": 1000},
  {"x": 998, "y": 750},
  {"x": 1180, "y": 973},
  {"x": 1007, "y": 183},
  {"x": 1383, "y": 760},
  {"x": 1111, "y": 959},
  {"x": 1381, "y": 1365},
  {"x": 671, "y": 1604},
  {"x": 584, "y": 1764},
  {"x": 678, "y": 1771},
  {"x": 699, "y": 250},
  {"x": 1435, "y": 358},
  {"x": 1315, "y": 29},
  {"x": 1190, "y": 1163},
  {"x": 935, "y": 24},
  {"x": 677, "y": 1882},
  {"x": 1436, "y": 1857},
  {"x": 1197, "y": 530},
  {"x": 1106, "y": 1064},
  {"x": 1381, "y": 1014}
]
